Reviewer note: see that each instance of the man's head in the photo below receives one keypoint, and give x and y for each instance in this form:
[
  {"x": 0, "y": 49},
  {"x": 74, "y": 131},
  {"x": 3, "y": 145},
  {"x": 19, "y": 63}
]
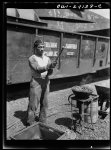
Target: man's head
[{"x": 38, "y": 47}]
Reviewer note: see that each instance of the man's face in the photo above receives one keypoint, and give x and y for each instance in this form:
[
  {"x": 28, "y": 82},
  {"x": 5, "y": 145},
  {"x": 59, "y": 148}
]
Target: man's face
[{"x": 40, "y": 49}]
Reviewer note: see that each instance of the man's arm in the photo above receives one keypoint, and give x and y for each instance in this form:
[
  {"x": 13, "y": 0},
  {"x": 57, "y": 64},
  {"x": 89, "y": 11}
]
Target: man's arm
[{"x": 34, "y": 65}]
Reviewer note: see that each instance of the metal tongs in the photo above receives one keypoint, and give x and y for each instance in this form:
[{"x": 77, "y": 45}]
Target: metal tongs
[{"x": 59, "y": 54}]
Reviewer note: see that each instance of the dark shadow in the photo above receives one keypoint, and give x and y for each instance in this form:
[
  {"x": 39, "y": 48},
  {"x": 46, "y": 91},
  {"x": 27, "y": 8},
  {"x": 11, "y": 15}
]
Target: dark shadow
[
  {"x": 74, "y": 20},
  {"x": 103, "y": 91},
  {"x": 104, "y": 98},
  {"x": 22, "y": 115},
  {"x": 77, "y": 12},
  {"x": 102, "y": 115},
  {"x": 104, "y": 95},
  {"x": 17, "y": 91},
  {"x": 67, "y": 122},
  {"x": 104, "y": 73}
]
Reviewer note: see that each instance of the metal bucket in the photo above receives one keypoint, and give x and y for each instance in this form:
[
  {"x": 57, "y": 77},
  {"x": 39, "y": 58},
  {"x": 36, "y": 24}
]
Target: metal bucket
[
  {"x": 91, "y": 110},
  {"x": 38, "y": 131}
]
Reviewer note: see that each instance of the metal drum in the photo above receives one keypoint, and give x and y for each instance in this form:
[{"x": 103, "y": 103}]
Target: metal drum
[{"x": 91, "y": 110}]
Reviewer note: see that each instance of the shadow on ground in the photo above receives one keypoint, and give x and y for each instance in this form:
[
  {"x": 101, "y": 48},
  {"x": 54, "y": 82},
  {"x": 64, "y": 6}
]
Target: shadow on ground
[
  {"x": 102, "y": 115},
  {"x": 67, "y": 122},
  {"x": 22, "y": 115}
]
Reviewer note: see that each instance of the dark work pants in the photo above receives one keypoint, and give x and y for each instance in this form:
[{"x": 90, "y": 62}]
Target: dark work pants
[{"x": 39, "y": 90}]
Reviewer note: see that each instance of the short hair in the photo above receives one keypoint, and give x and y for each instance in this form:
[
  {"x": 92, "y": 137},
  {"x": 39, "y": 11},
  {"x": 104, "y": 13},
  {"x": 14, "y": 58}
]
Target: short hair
[{"x": 38, "y": 42}]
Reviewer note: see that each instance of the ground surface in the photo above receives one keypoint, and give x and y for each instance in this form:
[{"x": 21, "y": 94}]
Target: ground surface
[{"x": 59, "y": 116}]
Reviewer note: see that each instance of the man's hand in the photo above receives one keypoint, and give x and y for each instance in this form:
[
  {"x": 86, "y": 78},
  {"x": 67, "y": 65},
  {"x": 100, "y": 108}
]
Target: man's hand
[
  {"x": 48, "y": 66},
  {"x": 54, "y": 63},
  {"x": 51, "y": 65}
]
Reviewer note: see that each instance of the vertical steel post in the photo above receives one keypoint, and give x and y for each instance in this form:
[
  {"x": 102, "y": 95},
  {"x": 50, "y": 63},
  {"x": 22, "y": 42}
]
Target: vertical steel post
[
  {"x": 82, "y": 114},
  {"x": 61, "y": 43},
  {"x": 107, "y": 53},
  {"x": 94, "y": 54},
  {"x": 36, "y": 32},
  {"x": 79, "y": 51}
]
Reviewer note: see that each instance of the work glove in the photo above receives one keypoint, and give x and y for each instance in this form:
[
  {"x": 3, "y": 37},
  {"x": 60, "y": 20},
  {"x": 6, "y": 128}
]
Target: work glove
[
  {"x": 50, "y": 71},
  {"x": 54, "y": 63}
]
